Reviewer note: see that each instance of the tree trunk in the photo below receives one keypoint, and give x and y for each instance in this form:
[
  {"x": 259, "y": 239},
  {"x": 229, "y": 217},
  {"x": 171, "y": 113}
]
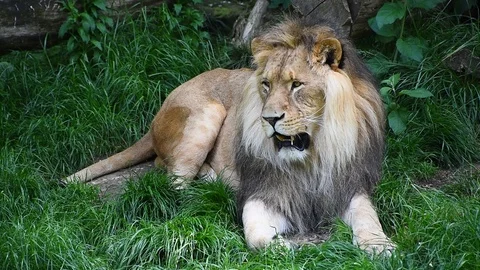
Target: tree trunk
[
  {"x": 350, "y": 15},
  {"x": 246, "y": 29},
  {"x": 26, "y": 24}
]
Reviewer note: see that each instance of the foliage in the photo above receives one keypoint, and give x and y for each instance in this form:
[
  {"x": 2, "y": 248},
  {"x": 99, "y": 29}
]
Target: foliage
[
  {"x": 416, "y": 39},
  {"x": 188, "y": 16},
  {"x": 398, "y": 115},
  {"x": 389, "y": 24},
  {"x": 86, "y": 25}
]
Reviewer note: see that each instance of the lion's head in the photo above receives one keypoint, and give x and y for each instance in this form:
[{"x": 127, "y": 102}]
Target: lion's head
[{"x": 311, "y": 98}]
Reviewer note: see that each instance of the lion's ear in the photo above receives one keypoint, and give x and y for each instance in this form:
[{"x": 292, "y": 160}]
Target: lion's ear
[
  {"x": 328, "y": 51},
  {"x": 258, "y": 45},
  {"x": 260, "y": 50},
  {"x": 255, "y": 45}
]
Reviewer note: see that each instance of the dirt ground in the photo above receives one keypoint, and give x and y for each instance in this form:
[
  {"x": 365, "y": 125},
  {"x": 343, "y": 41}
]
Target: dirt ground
[
  {"x": 113, "y": 184},
  {"x": 444, "y": 177}
]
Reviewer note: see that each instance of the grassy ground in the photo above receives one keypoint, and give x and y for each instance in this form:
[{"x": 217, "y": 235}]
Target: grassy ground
[{"x": 57, "y": 117}]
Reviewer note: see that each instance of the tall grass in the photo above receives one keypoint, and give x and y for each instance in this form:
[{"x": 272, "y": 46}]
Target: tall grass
[
  {"x": 58, "y": 116},
  {"x": 93, "y": 106}
]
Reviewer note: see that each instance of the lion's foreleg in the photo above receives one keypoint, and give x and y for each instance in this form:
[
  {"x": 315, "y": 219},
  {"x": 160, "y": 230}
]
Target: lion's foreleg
[
  {"x": 261, "y": 224},
  {"x": 367, "y": 230}
]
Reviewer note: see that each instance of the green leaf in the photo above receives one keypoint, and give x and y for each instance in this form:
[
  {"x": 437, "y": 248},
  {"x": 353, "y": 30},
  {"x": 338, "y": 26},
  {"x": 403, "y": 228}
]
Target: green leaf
[
  {"x": 389, "y": 13},
  {"x": 385, "y": 94},
  {"x": 108, "y": 21},
  {"x": 396, "y": 123},
  {"x": 425, "y": 4},
  {"x": 385, "y": 90},
  {"x": 97, "y": 44},
  {"x": 392, "y": 106},
  {"x": 101, "y": 27},
  {"x": 380, "y": 65},
  {"x": 69, "y": 5},
  {"x": 417, "y": 93},
  {"x": 388, "y": 30},
  {"x": 393, "y": 80},
  {"x": 411, "y": 48},
  {"x": 71, "y": 44},
  {"x": 177, "y": 8},
  {"x": 83, "y": 35},
  {"x": 100, "y": 4},
  {"x": 85, "y": 26},
  {"x": 63, "y": 29},
  {"x": 87, "y": 21}
]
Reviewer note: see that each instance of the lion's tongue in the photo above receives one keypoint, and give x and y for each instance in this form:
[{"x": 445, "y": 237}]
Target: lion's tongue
[{"x": 300, "y": 141}]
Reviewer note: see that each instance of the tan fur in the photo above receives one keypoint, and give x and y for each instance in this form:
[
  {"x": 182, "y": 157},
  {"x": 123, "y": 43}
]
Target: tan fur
[
  {"x": 303, "y": 82},
  {"x": 168, "y": 132}
]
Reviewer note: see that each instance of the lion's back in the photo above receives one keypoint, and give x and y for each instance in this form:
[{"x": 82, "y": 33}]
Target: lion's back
[{"x": 217, "y": 85}]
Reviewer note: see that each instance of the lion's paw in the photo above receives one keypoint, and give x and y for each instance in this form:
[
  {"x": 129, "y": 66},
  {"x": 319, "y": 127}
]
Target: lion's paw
[
  {"x": 385, "y": 248},
  {"x": 280, "y": 242},
  {"x": 276, "y": 242},
  {"x": 375, "y": 243},
  {"x": 180, "y": 183}
]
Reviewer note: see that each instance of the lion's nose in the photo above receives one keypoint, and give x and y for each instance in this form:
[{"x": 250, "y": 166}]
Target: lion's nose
[{"x": 274, "y": 119}]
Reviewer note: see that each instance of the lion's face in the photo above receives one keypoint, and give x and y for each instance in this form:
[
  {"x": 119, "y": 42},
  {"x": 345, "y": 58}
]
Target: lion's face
[
  {"x": 304, "y": 103},
  {"x": 294, "y": 100},
  {"x": 292, "y": 82}
]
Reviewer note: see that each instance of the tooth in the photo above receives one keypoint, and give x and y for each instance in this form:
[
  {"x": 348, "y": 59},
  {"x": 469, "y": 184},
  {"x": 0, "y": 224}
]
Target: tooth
[{"x": 292, "y": 138}]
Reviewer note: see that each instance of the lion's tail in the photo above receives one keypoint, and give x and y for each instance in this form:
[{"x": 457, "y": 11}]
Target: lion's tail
[{"x": 140, "y": 151}]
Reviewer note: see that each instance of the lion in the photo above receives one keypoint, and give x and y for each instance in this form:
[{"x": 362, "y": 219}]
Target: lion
[{"x": 300, "y": 137}]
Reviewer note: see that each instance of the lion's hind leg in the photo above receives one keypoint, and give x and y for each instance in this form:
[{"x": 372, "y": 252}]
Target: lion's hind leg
[{"x": 183, "y": 137}]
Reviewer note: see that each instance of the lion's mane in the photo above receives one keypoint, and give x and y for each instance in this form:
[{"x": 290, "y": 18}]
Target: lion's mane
[{"x": 346, "y": 152}]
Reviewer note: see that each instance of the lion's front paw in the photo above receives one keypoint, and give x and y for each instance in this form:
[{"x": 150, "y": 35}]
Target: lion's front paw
[
  {"x": 180, "y": 183},
  {"x": 374, "y": 243},
  {"x": 279, "y": 241}
]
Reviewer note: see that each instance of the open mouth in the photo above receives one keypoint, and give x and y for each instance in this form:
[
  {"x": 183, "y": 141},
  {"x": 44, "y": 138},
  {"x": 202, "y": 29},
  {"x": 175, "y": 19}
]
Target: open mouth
[{"x": 300, "y": 141}]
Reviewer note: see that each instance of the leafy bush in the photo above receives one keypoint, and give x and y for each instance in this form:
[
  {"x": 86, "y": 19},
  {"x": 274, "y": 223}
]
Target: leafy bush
[
  {"x": 389, "y": 24},
  {"x": 440, "y": 104},
  {"x": 87, "y": 23},
  {"x": 397, "y": 115}
]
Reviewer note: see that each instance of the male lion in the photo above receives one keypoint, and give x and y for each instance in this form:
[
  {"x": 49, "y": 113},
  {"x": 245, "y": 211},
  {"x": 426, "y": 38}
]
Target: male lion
[{"x": 300, "y": 137}]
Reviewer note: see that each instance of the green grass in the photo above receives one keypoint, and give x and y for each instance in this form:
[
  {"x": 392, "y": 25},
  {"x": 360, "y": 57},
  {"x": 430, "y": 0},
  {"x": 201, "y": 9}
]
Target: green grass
[{"x": 57, "y": 117}]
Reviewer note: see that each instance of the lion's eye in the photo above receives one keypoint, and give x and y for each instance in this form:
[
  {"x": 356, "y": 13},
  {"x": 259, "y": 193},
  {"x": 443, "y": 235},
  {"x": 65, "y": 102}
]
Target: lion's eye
[
  {"x": 266, "y": 86},
  {"x": 296, "y": 85}
]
